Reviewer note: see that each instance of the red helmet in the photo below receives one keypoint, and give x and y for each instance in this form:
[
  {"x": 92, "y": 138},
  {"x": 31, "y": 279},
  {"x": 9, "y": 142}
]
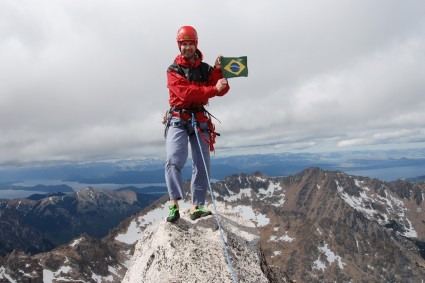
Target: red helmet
[{"x": 187, "y": 33}]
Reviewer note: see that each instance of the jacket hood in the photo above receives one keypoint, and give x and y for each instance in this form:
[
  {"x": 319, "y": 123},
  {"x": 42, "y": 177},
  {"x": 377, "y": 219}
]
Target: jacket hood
[{"x": 186, "y": 63}]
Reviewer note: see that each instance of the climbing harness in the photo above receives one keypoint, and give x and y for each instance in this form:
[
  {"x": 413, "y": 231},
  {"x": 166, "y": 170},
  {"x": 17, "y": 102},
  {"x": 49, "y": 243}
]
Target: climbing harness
[
  {"x": 186, "y": 114},
  {"x": 226, "y": 251}
]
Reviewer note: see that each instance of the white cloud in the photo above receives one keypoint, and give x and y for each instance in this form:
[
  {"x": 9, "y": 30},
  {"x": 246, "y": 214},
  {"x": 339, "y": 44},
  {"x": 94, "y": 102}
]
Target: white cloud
[{"x": 85, "y": 80}]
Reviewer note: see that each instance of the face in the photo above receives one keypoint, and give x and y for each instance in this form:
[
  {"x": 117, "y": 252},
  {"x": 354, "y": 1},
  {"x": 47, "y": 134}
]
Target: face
[{"x": 188, "y": 49}]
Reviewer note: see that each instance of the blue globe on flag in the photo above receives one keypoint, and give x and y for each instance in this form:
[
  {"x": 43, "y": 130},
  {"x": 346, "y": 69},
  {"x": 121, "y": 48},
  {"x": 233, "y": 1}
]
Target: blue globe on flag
[{"x": 235, "y": 67}]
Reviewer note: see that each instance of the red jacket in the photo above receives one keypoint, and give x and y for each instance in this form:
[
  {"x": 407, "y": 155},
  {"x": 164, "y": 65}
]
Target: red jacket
[{"x": 195, "y": 90}]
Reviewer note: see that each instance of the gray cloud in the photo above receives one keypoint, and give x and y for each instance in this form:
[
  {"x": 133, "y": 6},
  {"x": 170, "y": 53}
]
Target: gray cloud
[{"x": 85, "y": 80}]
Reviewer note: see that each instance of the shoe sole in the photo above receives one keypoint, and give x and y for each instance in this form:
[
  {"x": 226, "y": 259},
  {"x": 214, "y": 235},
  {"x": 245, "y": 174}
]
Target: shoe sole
[
  {"x": 175, "y": 218},
  {"x": 197, "y": 215}
]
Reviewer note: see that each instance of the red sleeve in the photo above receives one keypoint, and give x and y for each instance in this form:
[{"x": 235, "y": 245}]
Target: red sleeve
[{"x": 182, "y": 92}]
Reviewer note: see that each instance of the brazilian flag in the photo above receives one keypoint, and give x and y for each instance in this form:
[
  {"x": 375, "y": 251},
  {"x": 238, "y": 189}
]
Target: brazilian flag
[{"x": 234, "y": 66}]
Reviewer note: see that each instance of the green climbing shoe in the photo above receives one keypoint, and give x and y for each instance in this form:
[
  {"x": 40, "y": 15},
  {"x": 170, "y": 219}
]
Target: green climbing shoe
[
  {"x": 174, "y": 214},
  {"x": 199, "y": 212}
]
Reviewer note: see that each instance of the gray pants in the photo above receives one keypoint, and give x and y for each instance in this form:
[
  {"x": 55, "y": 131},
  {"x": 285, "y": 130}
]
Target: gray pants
[{"x": 180, "y": 134}]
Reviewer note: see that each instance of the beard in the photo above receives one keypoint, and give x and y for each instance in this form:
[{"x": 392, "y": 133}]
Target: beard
[{"x": 189, "y": 54}]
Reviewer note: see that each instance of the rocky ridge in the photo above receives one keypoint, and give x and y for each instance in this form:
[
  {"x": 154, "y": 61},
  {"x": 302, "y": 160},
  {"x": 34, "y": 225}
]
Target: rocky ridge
[{"x": 192, "y": 251}]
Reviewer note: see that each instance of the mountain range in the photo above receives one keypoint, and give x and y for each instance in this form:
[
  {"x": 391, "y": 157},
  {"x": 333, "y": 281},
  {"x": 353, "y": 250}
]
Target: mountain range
[
  {"x": 314, "y": 226},
  {"x": 42, "y": 222},
  {"x": 387, "y": 165}
]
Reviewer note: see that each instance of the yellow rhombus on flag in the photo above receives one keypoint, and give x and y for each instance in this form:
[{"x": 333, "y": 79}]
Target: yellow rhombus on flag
[{"x": 234, "y": 66}]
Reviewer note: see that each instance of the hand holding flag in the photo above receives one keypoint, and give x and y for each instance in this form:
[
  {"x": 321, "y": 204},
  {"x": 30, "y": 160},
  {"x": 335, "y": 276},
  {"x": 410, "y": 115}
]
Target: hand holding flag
[{"x": 234, "y": 66}]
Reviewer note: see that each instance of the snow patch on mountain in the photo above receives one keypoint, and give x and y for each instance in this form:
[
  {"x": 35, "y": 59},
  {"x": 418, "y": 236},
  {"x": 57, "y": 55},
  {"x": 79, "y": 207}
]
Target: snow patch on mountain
[
  {"x": 276, "y": 253},
  {"x": 60, "y": 274},
  {"x": 242, "y": 193},
  {"x": 4, "y": 275},
  {"x": 137, "y": 225},
  {"x": 273, "y": 195},
  {"x": 319, "y": 265},
  {"x": 284, "y": 238},
  {"x": 75, "y": 242},
  {"x": 249, "y": 213},
  {"x": 331, "y": 257},
  {"x": 367, "y": 200}
]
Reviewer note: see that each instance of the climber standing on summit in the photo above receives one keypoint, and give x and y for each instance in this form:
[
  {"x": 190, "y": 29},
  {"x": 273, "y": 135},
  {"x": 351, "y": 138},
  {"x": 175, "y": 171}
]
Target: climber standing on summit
[{"x": 191, "y": 84}]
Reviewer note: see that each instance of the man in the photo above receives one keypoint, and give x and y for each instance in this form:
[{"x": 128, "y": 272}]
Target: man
[{"x": 191, "y": 84}]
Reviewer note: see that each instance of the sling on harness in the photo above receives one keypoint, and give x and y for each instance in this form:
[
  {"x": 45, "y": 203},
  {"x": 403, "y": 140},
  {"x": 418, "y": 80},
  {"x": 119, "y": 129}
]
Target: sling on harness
[{"x": 200, "y": 114}]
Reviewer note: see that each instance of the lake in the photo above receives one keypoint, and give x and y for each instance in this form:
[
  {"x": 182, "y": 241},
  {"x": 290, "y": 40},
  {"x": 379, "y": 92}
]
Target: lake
[
  {"x": 10, "y": 194},
  {"x": 390, "y": 174}
]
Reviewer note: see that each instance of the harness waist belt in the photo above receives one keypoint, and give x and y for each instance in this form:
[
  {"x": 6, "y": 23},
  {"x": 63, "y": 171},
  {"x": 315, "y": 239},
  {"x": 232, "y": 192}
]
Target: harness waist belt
[
  {"x": 186, "y": 113},
  {"x": 200, "y": 116}
]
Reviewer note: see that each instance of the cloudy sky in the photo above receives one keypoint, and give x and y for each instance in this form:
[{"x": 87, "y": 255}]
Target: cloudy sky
[{"x": 85, "y": 80}]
